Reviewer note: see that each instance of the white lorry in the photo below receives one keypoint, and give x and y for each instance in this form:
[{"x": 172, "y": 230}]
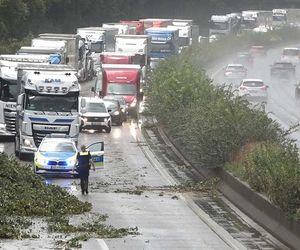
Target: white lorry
[
  {"x": 221, "y": 25},
  {"x": 286, "y": 17},
  {"x": 122, "y": 28},
  {"x": 78, "y": 56},
  {"x": 9, "y": 90},
  {"x": 257, "y": 19},
  {"x": 137, "y": 44},
  {"x": 188, "y": 32},
  {"x": 98, "y": 39},
  {"x": 58, "y": 55},
  {"x": 47, "y": 103}
]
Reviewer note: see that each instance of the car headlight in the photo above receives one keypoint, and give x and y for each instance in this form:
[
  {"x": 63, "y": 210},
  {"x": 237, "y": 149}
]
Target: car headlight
[
  {"x": 133, "y": 104},
  {"x": 27, "y": 143},
  {"x": 116, "y": 112},
  {"x": 41, "y": 160},
  {"x": 2, "y": 126},
  {"x": 71, "y": 162}
]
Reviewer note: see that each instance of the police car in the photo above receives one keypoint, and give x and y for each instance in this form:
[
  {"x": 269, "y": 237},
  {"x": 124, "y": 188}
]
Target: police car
[{"x": 57, "y": 155}]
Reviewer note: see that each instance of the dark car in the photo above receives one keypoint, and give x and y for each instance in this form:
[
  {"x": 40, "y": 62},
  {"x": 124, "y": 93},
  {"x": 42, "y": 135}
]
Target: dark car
[
  {"x": 114, "y": 109},
  {"x": 122, "y": 101},
  {"x": 283, "y": 70},
  {"x": 258, "y": 51},
  {"x": 244, "y": 58}
]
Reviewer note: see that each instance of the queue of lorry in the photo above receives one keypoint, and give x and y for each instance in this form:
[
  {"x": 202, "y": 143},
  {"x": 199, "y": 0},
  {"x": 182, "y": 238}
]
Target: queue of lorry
[
  {"x": 251, "y": 20},
  {"x": 40, "y": 84}
]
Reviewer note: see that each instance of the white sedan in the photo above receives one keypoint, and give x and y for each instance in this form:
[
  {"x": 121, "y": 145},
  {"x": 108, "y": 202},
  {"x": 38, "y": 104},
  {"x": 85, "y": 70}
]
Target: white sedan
[{"x": 253, "y": 90}]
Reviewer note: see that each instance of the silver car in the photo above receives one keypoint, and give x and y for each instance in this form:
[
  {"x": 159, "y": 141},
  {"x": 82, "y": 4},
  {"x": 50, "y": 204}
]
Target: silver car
[{"x": 94, "y": 114}]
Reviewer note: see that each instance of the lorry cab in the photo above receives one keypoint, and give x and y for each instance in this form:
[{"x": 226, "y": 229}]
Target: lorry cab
[
  {"x": 124, "y": 80},
  {"x": 9, "y": 90},
  {"x": 47, "y": 103},
  {"x": 164, "y": 42}
]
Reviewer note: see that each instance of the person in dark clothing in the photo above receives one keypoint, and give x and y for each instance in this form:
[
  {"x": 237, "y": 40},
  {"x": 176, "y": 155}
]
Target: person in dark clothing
[{"x": 84, "y": 162}]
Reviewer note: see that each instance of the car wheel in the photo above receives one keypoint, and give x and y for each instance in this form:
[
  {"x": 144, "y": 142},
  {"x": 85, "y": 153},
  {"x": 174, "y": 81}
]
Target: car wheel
[
  {"x": 297, "y": 94},
  {"x": 107, "y": 130},
  {"x": 119, "y": 122},
  {"x": 75, "y": 176}
]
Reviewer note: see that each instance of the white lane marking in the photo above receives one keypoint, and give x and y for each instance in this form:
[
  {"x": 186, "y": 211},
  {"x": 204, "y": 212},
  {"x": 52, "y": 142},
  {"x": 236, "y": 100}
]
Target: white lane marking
[
  {"x": 2, "y": 147},
  {"x": 102, "y": 244},
  {"x": 213, "y": 75}
]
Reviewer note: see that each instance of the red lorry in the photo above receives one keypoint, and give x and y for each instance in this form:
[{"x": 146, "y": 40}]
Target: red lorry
[{"x": 124, "y": 80}]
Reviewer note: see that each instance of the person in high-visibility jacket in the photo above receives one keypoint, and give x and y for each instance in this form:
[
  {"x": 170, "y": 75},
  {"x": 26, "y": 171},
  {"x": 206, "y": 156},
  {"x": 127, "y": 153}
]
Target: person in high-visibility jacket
[{"x": 84, "y": 162}]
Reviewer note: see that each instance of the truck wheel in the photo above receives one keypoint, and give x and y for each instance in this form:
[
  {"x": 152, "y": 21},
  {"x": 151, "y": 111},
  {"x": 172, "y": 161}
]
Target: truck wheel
[
  {"x": 17, "y": 146},
  {"x": 22, "y": 156}
]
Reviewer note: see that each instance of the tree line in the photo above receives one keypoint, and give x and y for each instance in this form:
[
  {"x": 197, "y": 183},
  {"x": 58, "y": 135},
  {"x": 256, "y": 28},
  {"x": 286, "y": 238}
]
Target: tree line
[{"x": 18, "y": 18}]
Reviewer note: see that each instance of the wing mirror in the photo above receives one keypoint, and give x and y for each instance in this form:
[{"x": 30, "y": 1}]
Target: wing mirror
[
  {"x": 83, "y": 103},
  {"x": 19, "y": 108},
  {"x": 141, "y": 96},
  {"x": 83, "y": 110}
]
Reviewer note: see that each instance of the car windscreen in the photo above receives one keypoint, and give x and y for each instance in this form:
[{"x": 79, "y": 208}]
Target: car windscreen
[
  {"x": 111, "y": 105},
  {"x": 253, "y": 84},
  {"x": 235, "y": 68},
  {"x": 57, "y": 147},
  {"x": 283, "y": 65},
  {"x": 8, "y": 90},
  {"x": 95, "y": 107},
  {"x": 51, "y": 103},
  {"x": 218, "y": 25},
  {"x": 121, "y": 89},
  {"x": 291, "y": 52},
  {"x": 97, "y": 47}
]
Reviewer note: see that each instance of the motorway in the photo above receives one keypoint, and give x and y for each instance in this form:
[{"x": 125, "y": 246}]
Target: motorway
[
  {"x": 282, "y": 105},
  {"x": 166, "y": 220},
  {"x": 163, "y": 222}
]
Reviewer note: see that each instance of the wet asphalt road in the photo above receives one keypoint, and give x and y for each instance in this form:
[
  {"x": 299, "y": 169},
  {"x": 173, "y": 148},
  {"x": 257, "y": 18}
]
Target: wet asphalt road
[
  {"x": 282, "y": 105},
  {"x": 163, "y": 222}
]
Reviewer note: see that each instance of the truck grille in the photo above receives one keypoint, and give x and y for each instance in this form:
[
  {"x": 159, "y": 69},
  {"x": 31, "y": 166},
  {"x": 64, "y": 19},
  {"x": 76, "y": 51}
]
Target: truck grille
[
  {"x": 38, "y": 135},
  {"x": 10, "y": 120}
]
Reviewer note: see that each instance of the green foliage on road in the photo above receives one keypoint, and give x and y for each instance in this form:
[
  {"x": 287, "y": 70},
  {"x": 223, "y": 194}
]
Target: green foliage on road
[
  {"x": 86, "y": 230},
  {"x": 210, "y": 125},
  {"x": 24, "y": 194}
]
